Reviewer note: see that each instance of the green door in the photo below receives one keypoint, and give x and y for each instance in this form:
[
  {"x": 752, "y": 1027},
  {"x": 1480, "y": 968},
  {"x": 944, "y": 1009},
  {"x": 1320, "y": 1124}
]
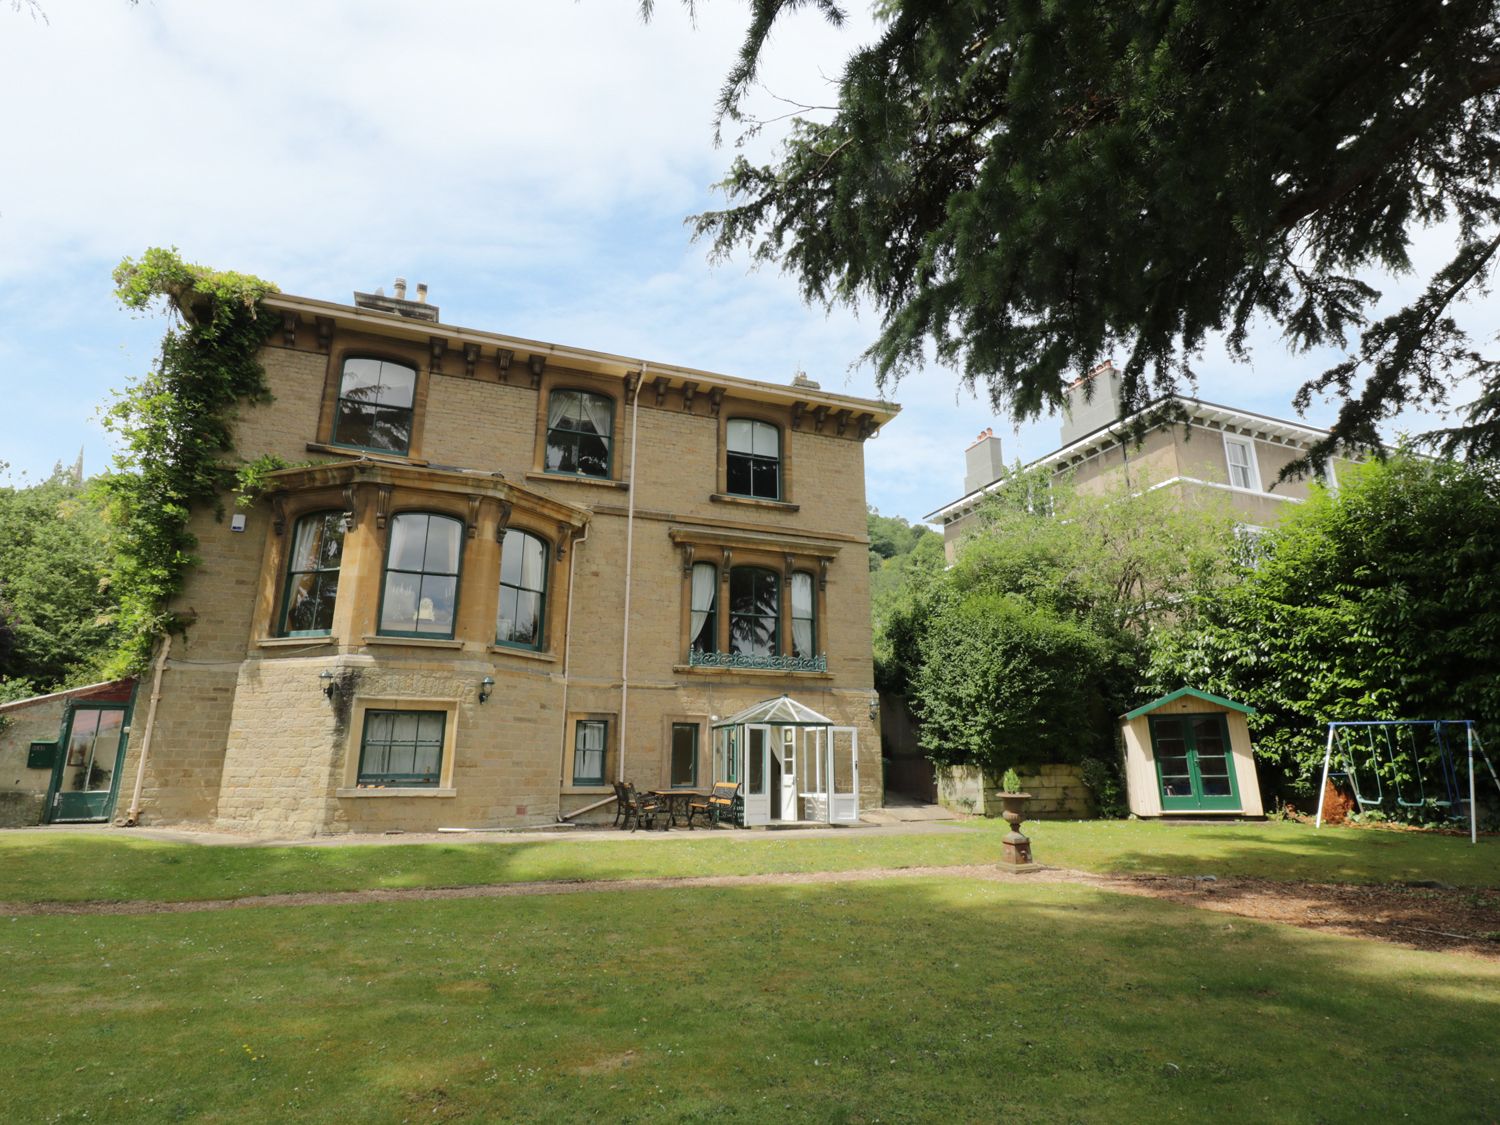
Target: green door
[
  {"x": 87, "y": 775},
  {"x": 1193, "y": 763}
]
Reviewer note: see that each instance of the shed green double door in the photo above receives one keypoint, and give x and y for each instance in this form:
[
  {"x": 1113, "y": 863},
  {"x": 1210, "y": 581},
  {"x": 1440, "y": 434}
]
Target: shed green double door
[
  {"x": 1193, "y": 764},
  {"x": 86, "y": 776}
]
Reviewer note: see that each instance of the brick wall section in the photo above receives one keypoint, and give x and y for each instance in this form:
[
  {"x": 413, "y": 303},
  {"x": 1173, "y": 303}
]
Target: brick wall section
[
  {"x": 1057, "y": 792},
  {"x": 245, "y": 737}
]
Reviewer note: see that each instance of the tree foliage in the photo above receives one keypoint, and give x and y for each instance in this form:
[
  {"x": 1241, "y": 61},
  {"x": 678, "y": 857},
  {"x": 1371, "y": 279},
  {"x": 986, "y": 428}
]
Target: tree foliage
[
  {"x": 1031, "y": 188},
  {"x": 176, "y": 423},
  {"x": 1381, "y": 601},
  {"x": 57, "y": 612}
]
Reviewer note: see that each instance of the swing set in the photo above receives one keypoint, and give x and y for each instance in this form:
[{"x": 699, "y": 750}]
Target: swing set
[{"x": 1394, "y": 752}]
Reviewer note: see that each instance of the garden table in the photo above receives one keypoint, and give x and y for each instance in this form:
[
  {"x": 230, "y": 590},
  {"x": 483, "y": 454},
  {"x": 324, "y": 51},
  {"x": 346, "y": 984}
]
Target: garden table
[{"x": 677, "y": 800}]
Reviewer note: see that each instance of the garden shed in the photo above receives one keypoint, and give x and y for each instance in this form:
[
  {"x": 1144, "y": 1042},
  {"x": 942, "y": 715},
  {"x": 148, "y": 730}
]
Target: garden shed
[{"x": 1188, "y": 753}]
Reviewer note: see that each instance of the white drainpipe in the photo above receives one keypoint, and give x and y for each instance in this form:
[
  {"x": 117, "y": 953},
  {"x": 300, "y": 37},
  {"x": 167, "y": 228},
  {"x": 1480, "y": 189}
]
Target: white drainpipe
[
  {"x": 635, "y": 414},
  {"x": 133, "y": 813},
  {"x": 568, "y": 660}
]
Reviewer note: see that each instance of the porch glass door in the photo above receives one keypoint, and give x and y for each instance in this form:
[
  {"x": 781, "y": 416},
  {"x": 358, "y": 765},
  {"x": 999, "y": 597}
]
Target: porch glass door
[
  {"x": 788, "y": 755},
  {"x": 88, "y": 776},
  {"x": 757, "y": 775},
  {"x": 1193, "y": 763},
  {"x": 843, "y": 780}
]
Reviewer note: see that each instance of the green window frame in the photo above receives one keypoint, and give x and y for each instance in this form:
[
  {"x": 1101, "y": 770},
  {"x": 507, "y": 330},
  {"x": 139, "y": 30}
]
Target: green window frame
[
  {"x": 1194, "y": 763},
  {"x": 754, "y": 611},
  {"x": 804, "y": 614},
  {"x": 580, "y": 433},
  {"x": 423, "y": 565},
  {"x": 752, "y": 459},
  {"x": 402, "y": 749},
  {"x": 683, "y": 766},
  {"x": 590, "y": 748},
  {"x": 312, "y": 575},
  {"x": 521, "y": 616},
  {"x": 376, "y": 405}
]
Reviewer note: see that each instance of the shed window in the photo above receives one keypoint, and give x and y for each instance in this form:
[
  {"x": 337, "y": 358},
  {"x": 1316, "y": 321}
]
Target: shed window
[
  {"x": 753, "y": 459},
  {"x": 375, "y": 405}
]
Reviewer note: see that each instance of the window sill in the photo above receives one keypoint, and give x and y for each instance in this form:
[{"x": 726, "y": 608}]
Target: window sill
[
  {"x": 351, "y": 451},
  {"x": 701, "y": 670},
  {"x": 524, "y": 653},
  {"x": 588, "y": 790},
  {"x": 414, "y": 642},
  {"x": 578, "y": 478},
  {"x": 294, "y": 642},
  {"x": 397, "y": 792},
  {"x": 754, "y": 502}
]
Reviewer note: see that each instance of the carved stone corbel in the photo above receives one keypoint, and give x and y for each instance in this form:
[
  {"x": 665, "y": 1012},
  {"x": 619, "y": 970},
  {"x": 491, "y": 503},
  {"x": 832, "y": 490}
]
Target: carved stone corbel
[
  {"x": 437, "y": 345},
  {"x": 325, "y": 332},
  {"x": 503, "y": 358},
  {"x": 564, "y": 539},
  {"x": 798, "y": 409},
  {"x": 473, "y": 527},
  {"x": 382, "y": 505},
  {"x": 537, "y": 363},
  {"x": 632, "y": 381},
  {"x": 661, "y": 384},
  {"x": 688, "y": 391},
  {"x": 471, "y": 357},
  {"x": 867, "y": 426},
  {"x": 715, "y": 400},
  {"x": 822, "y": 574},
  {"x": 289, "y": 322},
  {"x": 728, "y": 562},
  {"x": 820, "y": 416},
  {"x": 789, "y": 564},
  {"x": 687, "y": 560},
  {"x": 278, "y": 513},
  {"x": 842, "y": 417},
  {"x": 351, "y": 513},
  {"x": 504, "y": 522}
]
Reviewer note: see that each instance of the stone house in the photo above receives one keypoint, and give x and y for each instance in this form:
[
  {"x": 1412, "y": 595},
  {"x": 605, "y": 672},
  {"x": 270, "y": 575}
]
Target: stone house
[
  {"x": 1221, "y": 454},
  {"x": 503, "y": 574}
]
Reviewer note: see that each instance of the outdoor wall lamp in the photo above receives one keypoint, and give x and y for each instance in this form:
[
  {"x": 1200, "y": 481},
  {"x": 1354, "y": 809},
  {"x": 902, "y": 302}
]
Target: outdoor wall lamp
[
  {"x": 484, "y": 687},
  {"x": 874, "y": 707},
  {"x": 330, "y": 684}
]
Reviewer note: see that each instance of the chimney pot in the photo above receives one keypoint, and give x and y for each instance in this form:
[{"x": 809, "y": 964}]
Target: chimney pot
[
  {"x": 422, "y": 292},
  {"x": 400, "y": 289}
]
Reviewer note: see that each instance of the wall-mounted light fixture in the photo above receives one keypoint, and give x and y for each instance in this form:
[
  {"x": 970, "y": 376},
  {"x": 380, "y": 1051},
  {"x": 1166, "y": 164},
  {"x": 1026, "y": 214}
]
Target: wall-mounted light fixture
[
  {"x": 485, "y": 686},
  {"x": 330, "y": 684},
  {"x": 874, "y": 707}
]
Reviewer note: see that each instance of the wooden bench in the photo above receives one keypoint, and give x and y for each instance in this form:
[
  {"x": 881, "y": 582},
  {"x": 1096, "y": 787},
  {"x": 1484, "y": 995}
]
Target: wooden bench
[{"x": 719, "y": 804}]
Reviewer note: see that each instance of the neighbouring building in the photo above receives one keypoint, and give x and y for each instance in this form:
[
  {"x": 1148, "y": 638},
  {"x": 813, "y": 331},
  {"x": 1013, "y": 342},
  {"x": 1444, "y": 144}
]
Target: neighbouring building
[
  {"x": 503, "y": 574},
  {"x": 1220, "y": 451}
]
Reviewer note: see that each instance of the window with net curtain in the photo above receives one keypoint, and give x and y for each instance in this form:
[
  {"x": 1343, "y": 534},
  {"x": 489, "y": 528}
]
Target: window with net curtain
[
  {"x": 804, "y": 616},
  {"x": 312, "y": 575},
  {"x": 580, "y": 429},
  {"x": 754, "y": 611},
  {"x": 703, "y": 626},
  {"x": 523, "y": 590},
  {"x": 752, "y": 459},
  {"x": 375, "y": 405},
  {"x": 588, "y": 751},
  {"x": 419, "y": 597},
  {"x": 401, "y": 748}
]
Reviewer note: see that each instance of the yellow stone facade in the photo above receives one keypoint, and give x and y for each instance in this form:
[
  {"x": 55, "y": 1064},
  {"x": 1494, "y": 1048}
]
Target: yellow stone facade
[{"x": 250, "y": 734}]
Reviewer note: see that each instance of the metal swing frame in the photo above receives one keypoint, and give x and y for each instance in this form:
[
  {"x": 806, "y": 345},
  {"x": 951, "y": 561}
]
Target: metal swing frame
[{"x": 1472, "y": 745}]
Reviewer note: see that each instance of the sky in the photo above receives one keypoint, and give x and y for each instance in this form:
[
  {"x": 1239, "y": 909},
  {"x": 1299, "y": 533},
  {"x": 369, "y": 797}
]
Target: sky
[{"x": 532, "y": 163}]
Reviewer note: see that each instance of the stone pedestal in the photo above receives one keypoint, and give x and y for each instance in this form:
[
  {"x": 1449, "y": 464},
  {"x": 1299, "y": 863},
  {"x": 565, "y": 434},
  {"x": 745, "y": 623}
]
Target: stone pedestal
[{"x": 1017, "y": 848}]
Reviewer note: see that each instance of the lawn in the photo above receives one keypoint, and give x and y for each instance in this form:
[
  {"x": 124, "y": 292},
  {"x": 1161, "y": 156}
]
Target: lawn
[
  {"x": 934, "y": 999},
  {"x": 119, "y": 867}
]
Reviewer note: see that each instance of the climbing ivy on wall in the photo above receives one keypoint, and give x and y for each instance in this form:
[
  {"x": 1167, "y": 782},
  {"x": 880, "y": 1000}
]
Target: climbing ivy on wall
[{"x": 176, "y": 424}]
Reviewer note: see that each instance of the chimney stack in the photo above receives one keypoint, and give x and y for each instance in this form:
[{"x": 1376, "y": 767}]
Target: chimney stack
[
  {"x": 983, "y": 462},
  {"x": 398, "y": 304},
  {"x": 1093, "y": 403}
]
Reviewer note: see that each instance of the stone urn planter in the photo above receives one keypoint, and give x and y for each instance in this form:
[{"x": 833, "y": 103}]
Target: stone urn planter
[{"x": 1017, "y": 848}]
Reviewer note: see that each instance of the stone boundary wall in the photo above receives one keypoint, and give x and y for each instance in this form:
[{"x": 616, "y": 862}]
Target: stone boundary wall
[{"x": 1057, "y": 792}]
